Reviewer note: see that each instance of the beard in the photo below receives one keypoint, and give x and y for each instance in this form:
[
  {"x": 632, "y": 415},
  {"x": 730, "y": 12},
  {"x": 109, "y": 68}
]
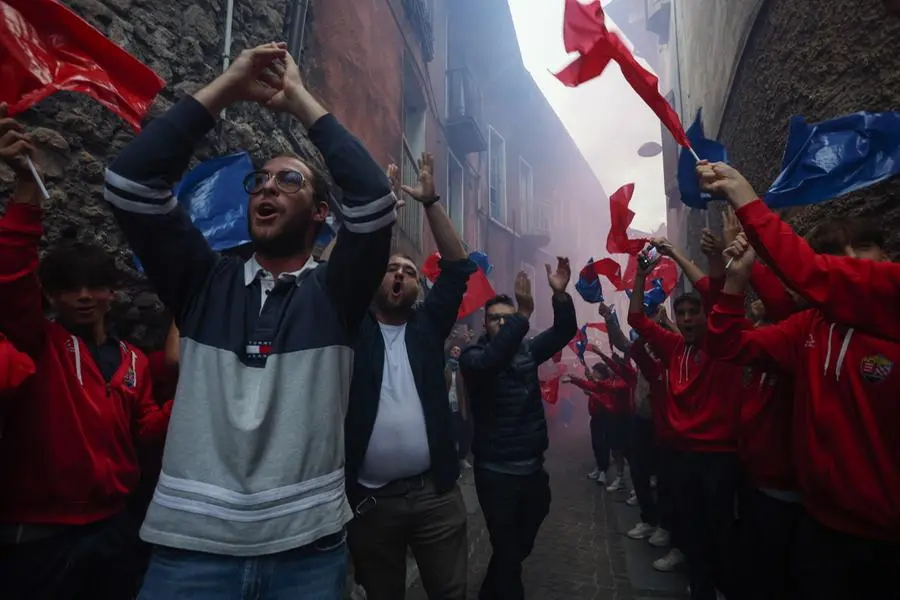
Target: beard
[
  {"x": 285, "y": 241},
  {"x": 394, "y": 308}
]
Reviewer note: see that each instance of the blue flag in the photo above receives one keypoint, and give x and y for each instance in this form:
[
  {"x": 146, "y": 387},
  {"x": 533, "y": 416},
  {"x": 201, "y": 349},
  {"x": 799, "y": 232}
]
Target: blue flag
[
  {"x": 213, "y": 195},
  {"x": 653, "y": 297},
  {"x": 481, "y": 259},
  {"x": 588, "y": 284},
  {"x": 832, "y": 158},
  {"x": 710, "y": 150}
]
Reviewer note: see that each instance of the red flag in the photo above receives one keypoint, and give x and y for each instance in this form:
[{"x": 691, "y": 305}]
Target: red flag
[
  {"x": 609, "y": 46},
  {"x": 665, "y": 269},
  {"x": 621, "y": 216},
  {"x": 606, "y": 267},
  {"x": 583, "y": 25},
  {"x": 478, "y": 288},
  {"x": 598, "y": 326},
  {"x": 46, "y": 48},
  {"x": 550, "y": 390}
]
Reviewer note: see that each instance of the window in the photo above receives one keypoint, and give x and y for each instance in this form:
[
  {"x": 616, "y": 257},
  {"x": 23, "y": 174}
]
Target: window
[
  {"x": 456, "y": 182},
  {"x": 410, "y": 221},
  {"x": 527, "y": 216},
  {"x": 497, "y": 176}
]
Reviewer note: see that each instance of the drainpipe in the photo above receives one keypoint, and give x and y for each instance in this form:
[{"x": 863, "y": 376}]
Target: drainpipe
[{"x": 226, "y": 50}]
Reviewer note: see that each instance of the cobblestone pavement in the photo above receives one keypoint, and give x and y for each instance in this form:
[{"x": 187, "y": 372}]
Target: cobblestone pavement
[{"x": 576, "y": 557}]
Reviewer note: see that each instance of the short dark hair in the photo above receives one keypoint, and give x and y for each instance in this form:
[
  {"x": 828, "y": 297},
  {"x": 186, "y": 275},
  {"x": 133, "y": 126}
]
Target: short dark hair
[
  {"x": 689, "y": 297},
  {"x": 828, "y": 237},
  {"x": 499, "y": 299},
  {"x": 320, "y": 190},
  {"x": 861, "y": 231},
  {"x": 72, "y": 264}
]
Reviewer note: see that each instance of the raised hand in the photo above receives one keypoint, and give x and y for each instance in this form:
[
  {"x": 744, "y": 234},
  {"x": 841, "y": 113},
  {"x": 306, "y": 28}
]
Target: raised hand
[
  {"x": 663, "y": 246},
  {"x": 393, "y": 175},
  {"x": 252, "y": 76},
  {"x": 710, "y": 244},
  {"x": 731, "y": 226},
  {"x": 723, "y": 180},
  {"x": 15, "y": 144},
  {"x": 560, "y": 279},
  {"x": 740, "y": 256},
  {"x": 424, "y": 192},
  {"x": 524, "y": 299},
  {"x": 604, "y": 310},
  {"x": 283, "y": 74}
]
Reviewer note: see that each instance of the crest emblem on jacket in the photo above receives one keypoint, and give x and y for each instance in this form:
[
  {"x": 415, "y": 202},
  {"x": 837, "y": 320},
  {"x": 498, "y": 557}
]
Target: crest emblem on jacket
[{"x": 876, "y": 368}]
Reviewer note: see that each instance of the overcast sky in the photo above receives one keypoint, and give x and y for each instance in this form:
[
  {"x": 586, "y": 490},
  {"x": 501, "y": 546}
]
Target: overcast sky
[{"x": 607, "y": 120}]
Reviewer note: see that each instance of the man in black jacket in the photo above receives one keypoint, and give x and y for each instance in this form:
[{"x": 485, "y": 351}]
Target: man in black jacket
[
  {"x": 401, "y": 446},
  {"x": 501, "y": 374}
]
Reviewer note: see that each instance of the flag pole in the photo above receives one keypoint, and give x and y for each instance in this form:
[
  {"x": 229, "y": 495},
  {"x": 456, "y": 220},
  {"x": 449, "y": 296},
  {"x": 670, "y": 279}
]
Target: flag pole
[
  {"x": 694, "y": 154},
  {"x": 37, "y": 178}
]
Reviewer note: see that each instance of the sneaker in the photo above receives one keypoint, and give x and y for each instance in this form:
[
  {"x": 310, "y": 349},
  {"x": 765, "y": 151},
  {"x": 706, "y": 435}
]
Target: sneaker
[
  {"x": 617, "y": 485},
  {"x": 601, "y": 478},
  {"x": 670, "y": 561},
  {"x": 464, "y": 464},
  {"x": 660, "y": 538},
  {"x": 593, "y": 475},
  {"x": 653, "y": 481},
  {"x": 641, "y": 530},
  {"x": 632, "y": 499}
]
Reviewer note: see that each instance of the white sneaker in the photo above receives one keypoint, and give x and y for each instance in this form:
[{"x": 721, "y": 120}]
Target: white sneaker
[
  {"x": 593, "y": 475},
  {"x": 653, "y": 481},
  {"x": 641, "y": 530},
  {"x": 464, "y": 464},
  {"x": 670, "y": 561},
  {"x": 601, "y": 478},
  {"x": 632, "y": 499},
  {"x": 660, "y": 538},
  {"x": 617, "y": 485}
]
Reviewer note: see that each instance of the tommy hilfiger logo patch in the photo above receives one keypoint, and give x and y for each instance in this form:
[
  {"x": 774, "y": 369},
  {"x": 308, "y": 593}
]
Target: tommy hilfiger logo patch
[
  {"x": 876, "y": 368},
  {"x": 258, "y": 349}
]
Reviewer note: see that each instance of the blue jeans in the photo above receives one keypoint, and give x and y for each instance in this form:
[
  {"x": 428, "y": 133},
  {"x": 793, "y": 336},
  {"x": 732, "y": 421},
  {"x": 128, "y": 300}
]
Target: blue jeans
[{"x": 314, "y": 572}]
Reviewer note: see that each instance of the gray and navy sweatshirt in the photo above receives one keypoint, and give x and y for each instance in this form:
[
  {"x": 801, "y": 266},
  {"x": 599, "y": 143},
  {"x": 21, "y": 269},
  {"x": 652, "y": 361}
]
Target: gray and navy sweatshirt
[{"x": 254, "y": 459}]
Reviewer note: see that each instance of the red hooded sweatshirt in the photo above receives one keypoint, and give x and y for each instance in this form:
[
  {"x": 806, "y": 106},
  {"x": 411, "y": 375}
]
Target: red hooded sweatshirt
[
  {"x": 601, "y": 394},
  {"x": 15, "y": 366},
  {"x": 846, "y": 415},
  {"x": 654, "y": 373},
  {"x": 859, "y": 293},
  {"x": 623, "y": 402},
  {"x": 700, "y": 405},
  {"x": 69, "y": 438}
]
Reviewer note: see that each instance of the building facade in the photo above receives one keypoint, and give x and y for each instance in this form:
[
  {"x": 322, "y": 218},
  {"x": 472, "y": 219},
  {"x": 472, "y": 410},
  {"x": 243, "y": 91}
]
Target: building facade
[{"x": 447, "y": 77}]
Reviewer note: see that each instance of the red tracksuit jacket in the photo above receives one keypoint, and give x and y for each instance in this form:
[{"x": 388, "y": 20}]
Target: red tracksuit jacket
[
  {"x": 700, "y": 405},
  {"x": 846, "y": 414},
  {"x": 859, "y": 293},
  {"x": 623, "y": 400},
  {"x": 15, "y": 366},
  {"x": 601, "y": 394},
  {"x": 68, "y": 443},
  {"x": 654, "y": 373}
]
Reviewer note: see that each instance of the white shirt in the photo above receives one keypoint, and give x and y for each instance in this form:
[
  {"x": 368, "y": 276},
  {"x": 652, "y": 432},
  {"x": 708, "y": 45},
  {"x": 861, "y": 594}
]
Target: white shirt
[
  {"x": 253, "y": 270},
  {"x": 398, "y": 447}
]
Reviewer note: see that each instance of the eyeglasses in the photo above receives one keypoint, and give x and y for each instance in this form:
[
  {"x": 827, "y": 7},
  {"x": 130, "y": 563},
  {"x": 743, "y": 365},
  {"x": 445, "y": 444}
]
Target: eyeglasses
[{"x": 287, "y": 181}]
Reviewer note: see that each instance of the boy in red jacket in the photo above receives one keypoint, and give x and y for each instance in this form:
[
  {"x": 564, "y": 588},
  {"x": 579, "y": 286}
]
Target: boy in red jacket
[
  {"x": 69, "y": 442},
  {"x": 706, "y": 424},
  {"x": 600, "y": 387},
  {"x": 845, "y": 425}
]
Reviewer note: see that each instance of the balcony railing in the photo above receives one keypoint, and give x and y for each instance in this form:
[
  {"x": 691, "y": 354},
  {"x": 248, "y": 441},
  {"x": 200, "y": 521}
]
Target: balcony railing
[
  {"x": 464, "y": 113},
  {"x": 410, "y": 219}
]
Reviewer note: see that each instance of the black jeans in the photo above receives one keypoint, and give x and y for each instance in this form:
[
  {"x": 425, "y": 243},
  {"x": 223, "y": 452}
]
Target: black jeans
[
  {"x": 768, "y": 529},
  {"x": 599, "y": 441},
  {"x": 98, "y": 561},
  {"x": 514, "y": 507},
  {"x": 706, "y": 484},
  {"x": 665, "y": 494},
  {"x": 830, "y": 565},
  {"x": 643, "y": 458}
]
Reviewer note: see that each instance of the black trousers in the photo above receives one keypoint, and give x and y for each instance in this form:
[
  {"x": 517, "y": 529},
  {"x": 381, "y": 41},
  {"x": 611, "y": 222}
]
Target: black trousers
[
  {"x": 665, "y": 494},
  {"x": 99, "y": 561},
  {"x": 768, "y": 529},
  {"x": 643, "y": 459},
  {"x": 599, "y": 440},
  {"x": 830, "y": 565},
  {"x": 706, "y": 484},
  {"x": 514, "y": 507}
]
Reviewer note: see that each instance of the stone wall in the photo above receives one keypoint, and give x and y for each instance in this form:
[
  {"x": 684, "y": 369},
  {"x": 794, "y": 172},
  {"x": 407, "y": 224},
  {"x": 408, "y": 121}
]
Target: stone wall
[
  {"x": 818, "y": 59},
  {"x": 182, "y": 40}
]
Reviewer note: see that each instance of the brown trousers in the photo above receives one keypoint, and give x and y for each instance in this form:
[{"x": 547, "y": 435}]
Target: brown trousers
[{"x": 409, "y": 514}]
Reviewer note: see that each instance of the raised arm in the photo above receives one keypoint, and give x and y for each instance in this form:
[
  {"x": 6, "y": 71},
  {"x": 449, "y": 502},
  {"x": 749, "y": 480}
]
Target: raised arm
[
  {"x": 859, "y": 293},
  {"x": 442, "y": 303},
  {"x": 565, "y": 323},
  {"x": 497, "y": 353},
  {"x": 21, "y": 308},
  {"x": 707, "y": 287},
  {"x": 774, "y": 296},
  {"x": 613, "y": 329},
  {"x": 662, "y": 339}
]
